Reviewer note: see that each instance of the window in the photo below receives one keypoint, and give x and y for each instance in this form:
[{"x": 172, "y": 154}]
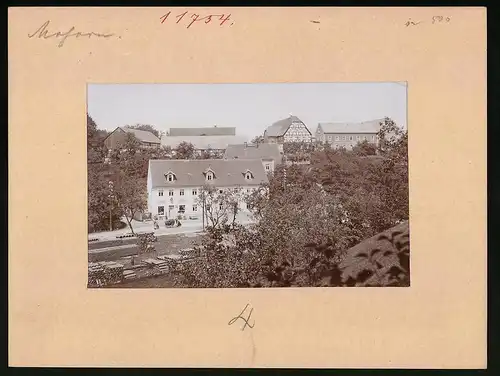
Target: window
[
  {"x": 337, "y": 138},
  {"x": 267, "y": 167},
  {"x": 350, "y": 138},
  {"x": 161, "y": 210},
  {"x": 181, "y": 192},
  {"x": 170, "y": 177},
  {"x": 373, "y": 138},
  {"x": 248, "y": 206},
  {"x": 171, "y": 192},
  {"x": 221, "y": 206},
  {"x": 221, "y": 191},
  {"x": 248, "y": 190},
  {"x": 329, "y": 138},
  {"x": 194, "y": 192},
  {"x": 235, "y": 190},
  {"x": 195, "y": 208},
  {"x": 357, "y": 137},
  {"x": 182, "y": 208},
  {"x": 160, "y": 192},
  {"x": 209, "y": 176},
  {"x": 343, "y": 138},
  {"x": 248, "y": 176}
]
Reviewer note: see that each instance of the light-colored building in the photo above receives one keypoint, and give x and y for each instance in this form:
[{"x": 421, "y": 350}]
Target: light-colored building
[
  {"x": 291, "y": 129},
  {"x": 348, "y": 135},
  {"x": 174, "y": 185},
  {"x": 205, "y": 138},
  {"x": 269, "y": 154},
  {"x": 117, "y": 138}
]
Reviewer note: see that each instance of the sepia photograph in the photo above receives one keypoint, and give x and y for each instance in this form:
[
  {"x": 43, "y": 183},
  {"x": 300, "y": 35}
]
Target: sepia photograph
[{"x": 248, "y": 185}]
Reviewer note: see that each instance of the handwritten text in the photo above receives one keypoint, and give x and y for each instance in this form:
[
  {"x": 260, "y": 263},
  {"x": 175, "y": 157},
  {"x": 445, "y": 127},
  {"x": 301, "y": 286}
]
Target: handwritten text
[
  {"x": 246, "y": 321},
  {"x": 194, "y": 18},
  {"x": 43, "y": 32},
  {"x": 434, "y": 20}
]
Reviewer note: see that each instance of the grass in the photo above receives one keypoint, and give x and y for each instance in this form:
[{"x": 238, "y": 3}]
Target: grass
[{"x": 112, "y": 243}]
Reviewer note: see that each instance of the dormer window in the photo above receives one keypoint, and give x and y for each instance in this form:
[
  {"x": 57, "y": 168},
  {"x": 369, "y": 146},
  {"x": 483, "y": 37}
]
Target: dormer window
[
  {"x": 248, "y": 175},
  {"x": 209, "y": 174},
  {"x": 170, "y": 176}
]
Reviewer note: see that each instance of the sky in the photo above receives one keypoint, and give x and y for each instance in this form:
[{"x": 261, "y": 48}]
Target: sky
[{"x": 251, "y": 108}]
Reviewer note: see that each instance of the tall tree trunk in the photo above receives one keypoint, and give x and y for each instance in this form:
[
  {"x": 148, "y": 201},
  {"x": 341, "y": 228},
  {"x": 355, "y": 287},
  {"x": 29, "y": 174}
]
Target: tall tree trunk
[{"x": 129, "y": 221}]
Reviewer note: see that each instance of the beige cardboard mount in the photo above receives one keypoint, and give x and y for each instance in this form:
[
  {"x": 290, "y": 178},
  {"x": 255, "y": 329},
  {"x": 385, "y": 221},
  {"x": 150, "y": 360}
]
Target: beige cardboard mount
[{"x": 439, "y": 322}]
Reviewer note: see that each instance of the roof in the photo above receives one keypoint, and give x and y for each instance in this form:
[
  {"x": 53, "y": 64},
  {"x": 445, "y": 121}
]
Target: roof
[
  {"x": 258, "y": 151},
  {"x": 372, "y": 126},
  {"x": 205, "y": 131},
  {"x": 352, "y": 264},
  {"x": 281, "y": 126},
  {"x": 203, "y": 142},
  {"x": 143, "y": 136},
  {"x": 228, "y": 172}
]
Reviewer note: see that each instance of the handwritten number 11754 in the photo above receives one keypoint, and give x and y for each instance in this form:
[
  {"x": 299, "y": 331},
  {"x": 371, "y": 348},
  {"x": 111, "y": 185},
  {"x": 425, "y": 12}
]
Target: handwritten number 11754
[{"x": 196, "y": 18}]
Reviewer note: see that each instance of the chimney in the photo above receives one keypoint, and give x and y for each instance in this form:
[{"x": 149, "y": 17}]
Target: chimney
[
  {"x": 245, "y": 145},
  {"x": 290, "y": 114}
]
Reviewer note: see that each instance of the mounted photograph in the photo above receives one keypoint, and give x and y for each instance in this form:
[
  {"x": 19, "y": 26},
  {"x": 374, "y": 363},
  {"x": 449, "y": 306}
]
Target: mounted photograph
[{"x": 248, "y": 185}]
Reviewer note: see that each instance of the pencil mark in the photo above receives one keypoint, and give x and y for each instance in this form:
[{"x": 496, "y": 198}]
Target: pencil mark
[
  {"x": 412, "y": 23},
  {"x": 234, "y": 319},
  {"x": 43, "y": 32},
  {"x": 317, "y": 22}
]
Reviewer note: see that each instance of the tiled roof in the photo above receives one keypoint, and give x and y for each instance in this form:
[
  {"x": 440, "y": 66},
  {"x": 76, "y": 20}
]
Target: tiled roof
[
  {"x": 143, "y": 136},
  {"x": 280, "y": 127},
  {"x": 372, "y": 126},
  {"x": 258, "y": 151},
  {"x": 229, "y": 172},
  {"x": 205, "y": 131},
  {"x": 203, "y": 142},
  {"x": 352, "y": 264}
]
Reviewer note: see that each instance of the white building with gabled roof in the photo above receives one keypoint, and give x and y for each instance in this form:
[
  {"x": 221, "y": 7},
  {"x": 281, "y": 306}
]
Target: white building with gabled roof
[{"x": 174, "y": 185}]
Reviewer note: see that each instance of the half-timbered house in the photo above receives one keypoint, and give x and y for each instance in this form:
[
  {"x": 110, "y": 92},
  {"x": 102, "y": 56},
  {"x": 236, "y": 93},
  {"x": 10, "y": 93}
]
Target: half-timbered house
[{"x": 291, "y": 129}]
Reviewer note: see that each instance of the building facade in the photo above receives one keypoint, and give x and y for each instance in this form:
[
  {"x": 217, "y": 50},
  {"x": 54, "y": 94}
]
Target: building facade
[
  {"x": 117, "y": 138},
  {"x": 347, "y": 135},
  {"x": 174, "y": 186},
  {"x": 269, "y": 154},
  {"x": 291, "y": 129}
]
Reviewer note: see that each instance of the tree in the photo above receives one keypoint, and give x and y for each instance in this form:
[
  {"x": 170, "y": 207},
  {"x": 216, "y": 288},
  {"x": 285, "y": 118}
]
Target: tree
[
  {"x": 129, "y": 193},
  {"x": 95, "y": 146},
  {"x": 258, "y": 140},
  {"x": 307, "y": 219},
  {"x": 219, "y": 206},
  {"x": 364, "y": 148},
  {"x": 146, "y": 127},
  {"x": 185, "y": 150}
]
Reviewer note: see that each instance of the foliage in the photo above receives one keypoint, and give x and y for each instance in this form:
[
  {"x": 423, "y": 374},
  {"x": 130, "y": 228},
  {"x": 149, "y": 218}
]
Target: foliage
[
  {"x": 127, "y": 172},
  {"x": 219, "y": 206},
  {"x": 210, "y": 154},
  {"x": 96, "y": 151},
  {"x": 185, "y": 150},
  {"x": 129, "y": 185},
  {"x": 257, "y": 140},
  {"x": 364, "y": 148},
  {"x": 307, "y": 219}
]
